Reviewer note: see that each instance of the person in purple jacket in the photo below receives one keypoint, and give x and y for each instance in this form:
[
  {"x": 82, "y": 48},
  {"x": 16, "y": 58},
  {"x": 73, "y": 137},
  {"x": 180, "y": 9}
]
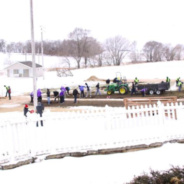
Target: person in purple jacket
[
  {"x": 63, "y": 89},
  {"x": 39, "y": 95},
  {"x": 143, "y": 91},
  {"x": 82, "y": 90},
  {"x": 61, "y": 95}
]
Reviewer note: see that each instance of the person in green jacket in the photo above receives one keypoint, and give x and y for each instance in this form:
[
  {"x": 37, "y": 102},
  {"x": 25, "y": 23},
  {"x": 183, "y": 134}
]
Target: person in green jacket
[
  {"x": 177, "y": 80},
  {"x": 7, "y": 88},
  {"x": 180, "y": 85},
  {"x": 167, "y": 79},
  {"x": 136, "y": 81}
]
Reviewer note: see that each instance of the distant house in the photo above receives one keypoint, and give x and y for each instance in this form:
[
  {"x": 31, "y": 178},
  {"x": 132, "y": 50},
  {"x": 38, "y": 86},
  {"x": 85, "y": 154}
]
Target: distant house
[{"x": 23, "y": 69}]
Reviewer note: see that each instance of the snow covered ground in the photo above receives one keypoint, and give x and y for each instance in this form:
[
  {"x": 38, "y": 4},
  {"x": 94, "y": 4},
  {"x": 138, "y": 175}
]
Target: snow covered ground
[{"x": 103, "y": 169}]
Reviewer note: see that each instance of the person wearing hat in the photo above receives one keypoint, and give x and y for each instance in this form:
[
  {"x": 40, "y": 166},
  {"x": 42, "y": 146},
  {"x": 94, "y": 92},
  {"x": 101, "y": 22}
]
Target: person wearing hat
[{"x": 26, "y": 110}]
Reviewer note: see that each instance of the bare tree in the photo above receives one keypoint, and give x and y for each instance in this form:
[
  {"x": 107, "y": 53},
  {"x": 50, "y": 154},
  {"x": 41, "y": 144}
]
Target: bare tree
[
  {"x": 91, "y": 49},
  {"x": 117, "y": 47},
  {"x": 153, "y": 51},
  {"x": 78, "y": 42},
  {"x": 178, "y": 51},
  {"x": 2, "y": 45}
]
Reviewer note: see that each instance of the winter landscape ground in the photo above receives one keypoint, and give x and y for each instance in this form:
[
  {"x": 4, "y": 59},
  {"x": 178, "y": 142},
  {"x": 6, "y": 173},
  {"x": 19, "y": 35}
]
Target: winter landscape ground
[{"x": 108, "y": 169}]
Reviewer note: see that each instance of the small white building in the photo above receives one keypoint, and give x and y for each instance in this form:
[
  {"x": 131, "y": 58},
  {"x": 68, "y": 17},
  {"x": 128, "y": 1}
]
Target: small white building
[{"x": 23, "y": 69}]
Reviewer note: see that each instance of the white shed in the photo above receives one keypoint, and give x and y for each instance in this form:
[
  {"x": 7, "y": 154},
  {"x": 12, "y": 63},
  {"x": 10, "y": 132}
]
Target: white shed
[{"x": 23, "y": 69}]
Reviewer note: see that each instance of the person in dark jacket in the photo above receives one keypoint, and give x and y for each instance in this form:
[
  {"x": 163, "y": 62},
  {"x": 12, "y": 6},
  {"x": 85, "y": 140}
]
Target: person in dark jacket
[
  {"x": 115, "y": 80},
  {"x": 39, "y": 110},
  {"x": 26, "y": 110},
  {"x": 56, "y": 95},
  {"x": 9, "y": 92},
  {"x": 133, "y": 89},
  {"x": 67, "y": 90},
  {"x": 98, "y": 89},
  {"x": 48, "y": 96},
  {"x": 75, "y": 93},
  {"x": 107, "y": 81},
  {"x": 31, "y": 95}
]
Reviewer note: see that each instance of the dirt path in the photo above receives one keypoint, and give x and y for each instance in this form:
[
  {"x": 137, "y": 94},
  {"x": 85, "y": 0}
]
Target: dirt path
[{"x": 17, "y": 102}]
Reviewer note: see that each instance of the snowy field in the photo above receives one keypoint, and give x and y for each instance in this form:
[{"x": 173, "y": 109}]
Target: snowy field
[
  {"x": 158, "y": 70},
  {"x": 103, "y": 169}
]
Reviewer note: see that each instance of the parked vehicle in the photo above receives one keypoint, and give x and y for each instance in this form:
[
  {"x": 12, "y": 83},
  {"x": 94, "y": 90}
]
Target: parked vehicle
[
  {"x": 121, "y": 86},
  {"x": 157, "y": 88}
]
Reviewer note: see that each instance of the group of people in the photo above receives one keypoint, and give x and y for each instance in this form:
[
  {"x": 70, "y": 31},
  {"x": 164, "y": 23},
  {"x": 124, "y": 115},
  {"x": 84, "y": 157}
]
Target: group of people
[
  {"x": 66, "y": 91},
  {"x": 39, "y": 111}
]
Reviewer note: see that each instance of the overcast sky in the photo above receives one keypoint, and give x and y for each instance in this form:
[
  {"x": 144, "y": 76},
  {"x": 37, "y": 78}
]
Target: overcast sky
[{"x": 139, "y": 20}]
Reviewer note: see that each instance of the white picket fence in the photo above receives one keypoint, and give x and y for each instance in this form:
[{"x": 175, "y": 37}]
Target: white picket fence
[{"x": 91, "y": 129}]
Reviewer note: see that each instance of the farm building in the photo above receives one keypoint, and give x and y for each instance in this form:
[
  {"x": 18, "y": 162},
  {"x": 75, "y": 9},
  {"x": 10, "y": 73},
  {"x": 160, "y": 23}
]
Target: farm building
[{"x": 23, "y": 69}]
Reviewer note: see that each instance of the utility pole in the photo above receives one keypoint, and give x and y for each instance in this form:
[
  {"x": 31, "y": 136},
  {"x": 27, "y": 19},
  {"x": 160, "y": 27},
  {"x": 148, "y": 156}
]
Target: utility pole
[
  {"x": 42, "y": 51},
  {"x": 33, "y": 56}
]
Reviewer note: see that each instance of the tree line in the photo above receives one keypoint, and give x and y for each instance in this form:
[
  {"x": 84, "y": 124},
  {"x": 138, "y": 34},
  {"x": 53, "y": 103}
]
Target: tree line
[{"x": 87, "y": 50}]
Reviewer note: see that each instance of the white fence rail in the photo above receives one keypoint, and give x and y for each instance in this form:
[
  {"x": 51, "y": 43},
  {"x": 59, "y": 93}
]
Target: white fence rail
[{"x": 92, "y": 129}]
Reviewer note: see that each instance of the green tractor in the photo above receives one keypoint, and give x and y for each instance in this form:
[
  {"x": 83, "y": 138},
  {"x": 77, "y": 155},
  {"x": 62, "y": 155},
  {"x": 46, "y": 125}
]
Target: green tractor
[{"x": 120, "y": 85}]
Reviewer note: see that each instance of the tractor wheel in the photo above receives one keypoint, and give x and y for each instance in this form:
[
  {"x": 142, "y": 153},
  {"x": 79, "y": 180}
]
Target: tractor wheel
[
  {"x": 158, "y": 92},
  {"x": 109, "y": 92},
  {"x": 122, "y": 90},
  {"x": 151, "y": 92}
]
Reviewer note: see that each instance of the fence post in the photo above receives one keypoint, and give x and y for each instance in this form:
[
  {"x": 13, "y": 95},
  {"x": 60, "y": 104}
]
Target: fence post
[{"x": 161, "y": 113}]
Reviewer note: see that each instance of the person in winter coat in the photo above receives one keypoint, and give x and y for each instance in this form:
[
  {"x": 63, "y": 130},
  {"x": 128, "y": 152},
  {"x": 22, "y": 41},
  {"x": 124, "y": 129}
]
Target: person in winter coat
[
  {"x": 177, "y": 80},
  {"x": 64, "y": 90},
  {"x": 75, "y": 93},
  {"x": 67, "y": 90},
  {"x": 31, "y": 95},
  {"x": 26, "y": 110},
  {"x": 107, "y": 81},
  {"x": 82, "y": 90},
  {"x": 61, "y": 95},
  {"x": 9, "y": 92},
  {"x": 56, "y": 95},
  {"x": 98, "y": 89},
  {"x": 48, "y": 96},
  {"x": 39, "y": 110},
  {"x": 167, "y": 79},
  {"x": 136, "y": 81},
  {"x": 88, "y": 90},
  {"x": 39, "y": 95},
  {"x": 180, "y": 85},
  {"x": 143, "y": 91},
  {"x": 7, "y": 88},
  {"x": 133, "y": 89},
  {"x": 115, "y": 80}
]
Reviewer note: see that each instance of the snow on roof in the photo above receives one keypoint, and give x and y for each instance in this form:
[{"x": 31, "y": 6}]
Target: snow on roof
[{"x": 27, "y": 63}]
